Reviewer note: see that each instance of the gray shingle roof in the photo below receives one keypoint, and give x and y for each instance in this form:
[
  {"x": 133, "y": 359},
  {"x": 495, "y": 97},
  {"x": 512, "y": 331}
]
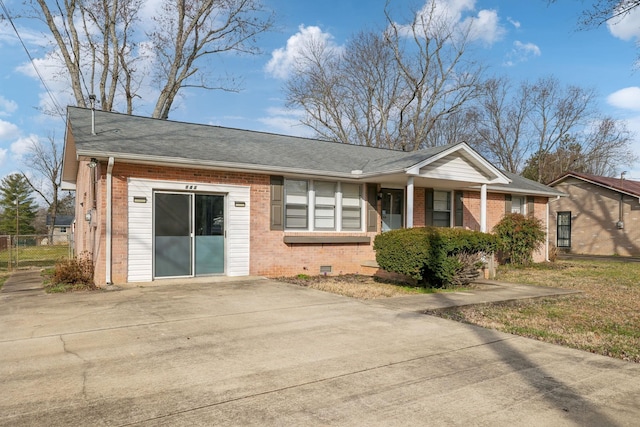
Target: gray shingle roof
[
  {"x": 120, "y": 135},
  {"x": 138, "y": 138}
]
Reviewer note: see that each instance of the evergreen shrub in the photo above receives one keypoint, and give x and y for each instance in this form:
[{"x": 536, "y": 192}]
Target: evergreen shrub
[
  {"x": 518, "y": 236},
  {"x": 434, "y": 256}
]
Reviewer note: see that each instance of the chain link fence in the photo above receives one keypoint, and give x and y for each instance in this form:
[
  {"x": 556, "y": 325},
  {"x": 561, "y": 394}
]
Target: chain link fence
[{"x": 34, "y": 250}]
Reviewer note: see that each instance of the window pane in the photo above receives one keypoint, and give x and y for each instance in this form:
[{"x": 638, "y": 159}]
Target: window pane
[
  {"x": 296, "y": 187},
  {"x": 296, "y": 216},
  {"x": 441, "y": 201},
  {"x": 351, "y": 212},
  {"x": 296, "y": 203},
  {"x": 516, "y": 205},
  {"x": 351, "y": 219},
  {"x": 441, "y": 219},
  {"x": 325, "y": 189},
  {"x": 324, "y": 223}
]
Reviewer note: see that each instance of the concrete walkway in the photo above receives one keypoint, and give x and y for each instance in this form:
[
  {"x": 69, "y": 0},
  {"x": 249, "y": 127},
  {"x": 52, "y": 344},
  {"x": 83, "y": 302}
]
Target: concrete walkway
[
  {"x": 25, "y": 282},
  {"x": 29, "y": 282}
]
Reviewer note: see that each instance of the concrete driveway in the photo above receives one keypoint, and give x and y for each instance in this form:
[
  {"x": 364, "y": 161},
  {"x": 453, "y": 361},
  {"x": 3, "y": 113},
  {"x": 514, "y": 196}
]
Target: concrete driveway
[{"x": 259, "y": 352}]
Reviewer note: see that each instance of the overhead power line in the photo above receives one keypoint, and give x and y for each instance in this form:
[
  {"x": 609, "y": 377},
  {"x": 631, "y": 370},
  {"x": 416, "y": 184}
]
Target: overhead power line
[{"x": 55, "y": 103}]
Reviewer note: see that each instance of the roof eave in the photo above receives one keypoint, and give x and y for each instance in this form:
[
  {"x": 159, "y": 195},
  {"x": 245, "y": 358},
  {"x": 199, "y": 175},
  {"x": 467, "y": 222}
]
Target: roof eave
[{"x": 230, "y": 166}]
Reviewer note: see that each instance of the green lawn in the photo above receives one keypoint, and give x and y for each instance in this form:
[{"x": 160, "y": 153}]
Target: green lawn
[{"x": 33, "y": 256}]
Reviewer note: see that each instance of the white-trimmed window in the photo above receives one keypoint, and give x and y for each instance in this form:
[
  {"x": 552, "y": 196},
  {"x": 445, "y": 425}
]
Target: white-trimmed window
[
  {"x": 296, "y": 196},
  {"x": 351, "y": 207},
  {"x": 518, "y": 205},
  {"x": 441, "y": 208},
  {"x": 322, "y": 205},
  {"x": 325, "y": 205}
]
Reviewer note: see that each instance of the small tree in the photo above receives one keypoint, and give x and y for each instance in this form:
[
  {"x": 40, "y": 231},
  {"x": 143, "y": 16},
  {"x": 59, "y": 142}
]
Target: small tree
[
  {"x": 518, "y": 236},
  {"x": 18, "y": 207}
]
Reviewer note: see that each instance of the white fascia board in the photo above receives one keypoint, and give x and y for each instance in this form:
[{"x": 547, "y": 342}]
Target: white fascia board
[
  {"x": 499, "y": 189},
  {"x": 227, "y": 166},
  {"x": 478, "y": 160}
]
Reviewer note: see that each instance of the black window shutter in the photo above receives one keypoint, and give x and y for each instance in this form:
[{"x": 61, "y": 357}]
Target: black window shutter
[
  {"x": 507, "y": 203},
  {"x": 428, "y": 220},
  {"x": 277, "y": 203},
  {"x": 459, "y": 207},
  {"x": 530, "y": 205},
  {"x": 372, "y": 208}
]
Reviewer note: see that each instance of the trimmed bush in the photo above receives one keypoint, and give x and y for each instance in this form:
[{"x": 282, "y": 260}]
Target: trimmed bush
[
  {"x": 518, "y": 236},
  {"x": 433, "y": 256}
]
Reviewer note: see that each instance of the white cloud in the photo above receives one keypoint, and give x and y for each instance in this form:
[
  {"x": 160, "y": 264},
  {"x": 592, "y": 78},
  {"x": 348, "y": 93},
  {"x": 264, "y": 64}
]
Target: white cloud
[
  {"x": 286, "y": 122},
  {"x": 627, "y": 98},
  {"x": 21, "y": 146},
  {"x": 626, "y": 27},
  {"x": 7, "y": 106},
  {"x": 457, "y": 14},
  {"x": 513, "y": 22},
  {"x": 3, "y": 156},
  {"x": 485, "y": 27},
  {"x": 521, "y": 52},
  {"x": 284, "y": 60},
  {"x": 8, "y": 130}
]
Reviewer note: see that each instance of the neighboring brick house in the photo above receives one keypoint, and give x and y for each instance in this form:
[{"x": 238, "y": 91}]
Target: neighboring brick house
[
  {"x": 600, "y": 215},
  {"x": 158, "y": 199}
]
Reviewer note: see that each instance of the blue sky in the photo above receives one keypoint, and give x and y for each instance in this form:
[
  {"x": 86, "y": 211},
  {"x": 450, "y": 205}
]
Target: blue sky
[{"x": 520, "y": 39}]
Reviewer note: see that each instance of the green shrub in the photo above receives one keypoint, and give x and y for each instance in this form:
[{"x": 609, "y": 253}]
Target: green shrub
[
  {"x": 77, "y": 272},
  {"x": 518, "y": 236},
  {"x": 433, "y": 256}
]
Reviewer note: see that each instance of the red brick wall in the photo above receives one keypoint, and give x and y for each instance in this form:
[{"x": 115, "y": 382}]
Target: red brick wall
[{"x": 269, "y": 255}]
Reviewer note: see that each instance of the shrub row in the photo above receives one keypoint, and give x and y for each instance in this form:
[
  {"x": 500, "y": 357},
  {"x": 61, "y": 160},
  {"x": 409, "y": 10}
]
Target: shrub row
[{"x": 434, "y": 256}]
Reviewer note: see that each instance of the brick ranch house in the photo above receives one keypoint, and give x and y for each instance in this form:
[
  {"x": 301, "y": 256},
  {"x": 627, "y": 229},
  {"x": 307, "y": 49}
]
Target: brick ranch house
[
  {"x": 599, "y": 216},
  {"x": 158, "y": 199}
]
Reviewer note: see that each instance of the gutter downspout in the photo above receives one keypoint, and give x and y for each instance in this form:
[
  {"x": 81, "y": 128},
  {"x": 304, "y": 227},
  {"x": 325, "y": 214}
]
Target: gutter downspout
[{"x": 109, "y": 220}]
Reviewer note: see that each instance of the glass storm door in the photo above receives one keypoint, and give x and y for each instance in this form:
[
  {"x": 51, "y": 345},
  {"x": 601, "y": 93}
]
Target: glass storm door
[
  {"x": 392, "y": 209},
  {"x": 172, "y": 219},
  {"x": 189, "y": 234},
  {"x": 209, "y": 222}
]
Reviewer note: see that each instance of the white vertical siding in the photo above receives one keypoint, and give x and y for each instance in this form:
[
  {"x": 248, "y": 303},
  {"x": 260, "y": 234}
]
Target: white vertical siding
[
  {"x": 140, "y": 225},
  {"x": 454, "y": 167}
]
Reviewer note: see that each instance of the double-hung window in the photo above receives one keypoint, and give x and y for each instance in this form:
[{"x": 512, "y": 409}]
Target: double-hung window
[
  {"x": 322, "y": 205},
  {"x": 325, "y": 205},
  {"x": 518, "y": 205},
  {"x": 351, "y": 207},
  {"x": 441, "y": 208},
  {"x": 296, "y": 196}
]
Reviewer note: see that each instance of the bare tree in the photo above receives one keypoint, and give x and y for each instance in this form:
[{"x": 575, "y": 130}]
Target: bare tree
[
  {"x": 46, "y": 161},
  {"x": 556, "y": 111},
  {"x": 607, "y": 147},
  {"x": 100, "y": 43},
  {"x": 501, "y": 123},
  {"x": 602, "y": 148},
  {"x": 535, "y": 118},
  {"x": 601, "y": 11},
  {"x": 387, "y": 89}
]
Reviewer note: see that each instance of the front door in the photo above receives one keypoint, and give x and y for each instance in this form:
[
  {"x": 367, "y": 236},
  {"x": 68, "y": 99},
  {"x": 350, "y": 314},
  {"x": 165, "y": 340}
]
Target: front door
[
  {"x": 188, "y": 234},
  {"x": 392, "y": 209}
]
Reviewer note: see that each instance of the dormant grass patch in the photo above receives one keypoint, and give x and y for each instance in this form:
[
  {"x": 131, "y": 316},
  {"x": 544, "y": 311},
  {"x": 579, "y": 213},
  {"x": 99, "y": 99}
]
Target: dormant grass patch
[
  {"x": 364, "y": 287},
  {"x": 603, "y": 319}
]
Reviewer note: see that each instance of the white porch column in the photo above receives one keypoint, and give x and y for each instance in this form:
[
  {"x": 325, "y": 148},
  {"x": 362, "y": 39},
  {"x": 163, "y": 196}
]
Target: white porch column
[
  {"x": 410, "y": 202},
  {"x": 483, "y": 208}
]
